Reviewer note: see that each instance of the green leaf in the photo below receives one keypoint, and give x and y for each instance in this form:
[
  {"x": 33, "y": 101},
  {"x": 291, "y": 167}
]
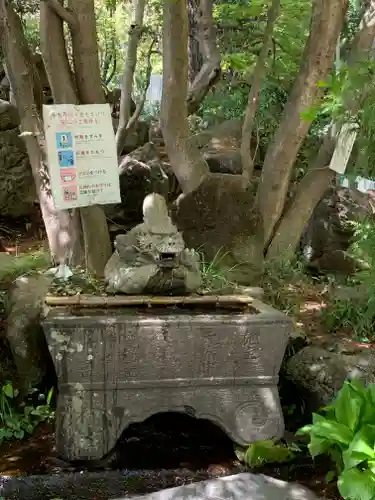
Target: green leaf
[
  {"x": 318, "y": 446},
  {"x": 19, "y": 434},
  {"x": 262, "y": 452},
  {"x": 371, "y": 465},
  {"x": 348, "y": 406},
  {"x": 49, "y": 396},
  {"x": 361, "y": 448},
  {"x": 333, "y": 431},
  {"x": 8, "y": 391},
  {"x": 306, "y": 429},
  {"x": 354, "y": 484},
  {"x": 310, "y": 114}
]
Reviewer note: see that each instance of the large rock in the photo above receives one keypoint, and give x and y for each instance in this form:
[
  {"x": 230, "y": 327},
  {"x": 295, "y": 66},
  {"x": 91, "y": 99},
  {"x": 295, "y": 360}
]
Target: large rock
[
  {"x": 329, "y": 232},
  {"x": 244, "y": 486},
  {"x": 24, "y": 333},
  {"x": 141, "y": 173},
  {"x": 221, "y": 219},
  {"x": 320, "y": 374},
  {"x": 17, "y": 190}
]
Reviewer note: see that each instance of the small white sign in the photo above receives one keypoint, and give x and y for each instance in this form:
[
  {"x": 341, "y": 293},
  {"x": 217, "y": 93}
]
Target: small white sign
[
  {"x": 344, "y": 147},
  {"x": 82, "y": 155}
]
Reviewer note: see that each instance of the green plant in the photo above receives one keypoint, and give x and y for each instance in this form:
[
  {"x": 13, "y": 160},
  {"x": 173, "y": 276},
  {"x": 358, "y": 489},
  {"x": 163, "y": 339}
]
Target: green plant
[
  {"x": 12, "y": 266},
  {"x": 19, "y": 420},
  {"x": 213, "y": 276},
  {"x": 285, "y": 285},
  {"x": 354, "y": 311},
  {"x": 345, "y": 431},
  {"x": 263, "y": 452}
]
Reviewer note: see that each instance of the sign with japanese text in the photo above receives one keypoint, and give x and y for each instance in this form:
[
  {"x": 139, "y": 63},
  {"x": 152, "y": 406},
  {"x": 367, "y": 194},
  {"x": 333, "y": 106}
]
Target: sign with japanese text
[{"x": 82, "y": 155}]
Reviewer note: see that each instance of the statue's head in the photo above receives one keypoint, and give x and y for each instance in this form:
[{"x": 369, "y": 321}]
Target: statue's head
[{"x": 160, "y": 236}]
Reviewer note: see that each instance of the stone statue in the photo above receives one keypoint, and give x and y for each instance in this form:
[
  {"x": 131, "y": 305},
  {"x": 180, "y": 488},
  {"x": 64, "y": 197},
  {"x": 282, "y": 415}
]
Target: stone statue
[{"x": 151, "y": 258}]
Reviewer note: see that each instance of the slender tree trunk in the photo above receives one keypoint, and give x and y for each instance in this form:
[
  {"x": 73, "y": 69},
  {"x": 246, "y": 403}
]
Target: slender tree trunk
[
  {"x": 194, "y": 51},
  {"x": 85, "y": 53},
  {"x": 315, "y": 183},
  {"x": 211, "y": 70},
  {"x": 188, "y": 165},
  {"x": 326, "y": 22},
  {"x": 60, "y": 79},
  {"x": 59, "y": 224},
  {"x": 135, "y": 34},
  {"x": 254, "y": 95},
  {"x": 55, "y": 58},
  {"x": 90, "y": 91},
  {"x": 309, "y": 192}
]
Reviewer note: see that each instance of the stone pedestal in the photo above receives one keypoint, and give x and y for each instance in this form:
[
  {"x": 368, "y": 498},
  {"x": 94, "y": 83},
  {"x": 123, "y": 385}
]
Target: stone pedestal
[{"x": 117, "y": 366}]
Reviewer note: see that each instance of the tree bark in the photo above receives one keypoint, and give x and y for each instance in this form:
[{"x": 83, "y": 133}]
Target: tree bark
[
  {"x": 90, "y": 91},
  {"x": 59, "y": 225},
  {"x": 56, "y": 63},
  {"x": 315, "y": 183},
  {"x": 210, "y": 70},
  {"x": 317, "y": 59},
  {"x": 309, "y": 192},
  {"x": 259, "y": 74},
  {"x": 85, "y": 53},
  {"x": 194, "y": 50},
  {"x": 12, "y": 96},
  {"x": 135, "y": 33},
  {"x": 55, "y": 58},
  {"x": 188, "y": 165}
]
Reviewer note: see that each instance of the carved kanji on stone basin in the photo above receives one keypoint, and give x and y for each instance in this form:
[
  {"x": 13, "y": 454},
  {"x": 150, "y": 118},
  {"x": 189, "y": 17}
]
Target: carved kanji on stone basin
[{"x": 120, "y": 365}]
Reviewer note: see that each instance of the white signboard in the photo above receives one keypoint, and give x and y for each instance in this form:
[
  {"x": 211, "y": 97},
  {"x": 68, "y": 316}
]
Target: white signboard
[
  {"x": 82, "y": 155},
  {"x": 344, "y": 147}
]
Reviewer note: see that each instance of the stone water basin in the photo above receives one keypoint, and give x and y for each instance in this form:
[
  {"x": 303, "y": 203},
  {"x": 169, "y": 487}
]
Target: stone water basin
[{"x": 120, "y": 360}]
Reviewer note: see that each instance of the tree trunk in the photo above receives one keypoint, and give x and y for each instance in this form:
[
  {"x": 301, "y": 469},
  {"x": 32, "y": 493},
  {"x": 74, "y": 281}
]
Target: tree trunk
[
  {"x": 215, "y": 212},
  {"x": 254, "y": 95},
  {"x": 60, "y": 227},
  {"x": 135, "y": 33},
  {"x": 12, "y": 97},
  {"x": 90, "y": 91},
  {"x": 194, "y": 51},
  {"x": 55, "y": 58},
  {"x": 326, "y": 22},
  {"x": 309, "y": 192},
  {"x": 60, "y": 78},
  {"x": 315, "y": 183},
  {"x": 85, "y": 53},
  {"x": 188, "y": 165},
  {"x": 210, "y": 71}
]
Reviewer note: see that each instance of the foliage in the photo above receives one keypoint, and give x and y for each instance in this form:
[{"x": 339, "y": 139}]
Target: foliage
[
  {"x": 355, "y": 312},
  {"x": 213, "y": 277},
  {"x": 346, "y": 432},
  {"x": 286, "y": 285},
  {"x": 80, "y": 282},
  {"x": 20, "y": 419},
  {"x": 12, "y": 267},
  {"x": 264, "y": 452}
]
